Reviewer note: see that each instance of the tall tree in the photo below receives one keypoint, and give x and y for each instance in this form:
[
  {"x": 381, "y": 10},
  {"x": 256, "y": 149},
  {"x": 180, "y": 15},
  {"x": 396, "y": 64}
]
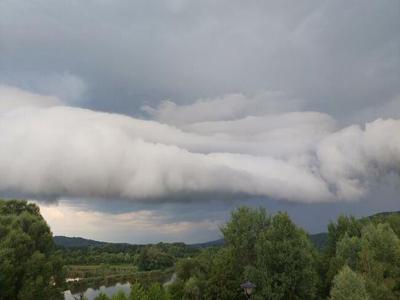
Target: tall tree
[
  {"x": 156, "y": 292},
  {"x": 285, "y": 267},
  {"x": 380, "y": 261},
  {"x": 242, "y": 232},
  {"x": 228, "y": 266},
  {"x": 137, "y": 292},
  {"x": 29, "y": 267},
  {"x": 348, "y": 285},
  {"x": 345, "y": 225}
]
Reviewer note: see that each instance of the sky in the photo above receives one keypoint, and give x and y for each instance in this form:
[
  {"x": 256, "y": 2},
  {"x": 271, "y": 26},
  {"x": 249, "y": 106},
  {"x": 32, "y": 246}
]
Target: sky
[{"x": 146, "y": 121}]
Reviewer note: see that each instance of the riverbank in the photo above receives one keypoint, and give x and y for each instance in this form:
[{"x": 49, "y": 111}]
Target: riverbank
[{"x": 89, "y": 278}]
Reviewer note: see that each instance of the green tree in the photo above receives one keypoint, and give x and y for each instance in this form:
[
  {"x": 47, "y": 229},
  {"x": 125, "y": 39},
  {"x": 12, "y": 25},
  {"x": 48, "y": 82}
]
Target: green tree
[
  {"x": 371, "y": 249},
  {"x": 393, "y": 219},
  {"x": 120, "y": 295},
  {"x": 153, "y": 258},
  {"x": 347, "y": 251},
  {"x": 242, "y": 232},
  {"x": 101, "y": 296},
  {"x": 285, "y": 266},
  {"x": 278, "y": 257},
  {"x": 228, "y": 265},
  {"x": 187, "y": 267},
  {"x": 175, "y": 289},
  {"x": 137, "y": 292},
  {"x": 192, "y": 289},
  {"x": 330, "y": 264},
  {"x": 348, "y": 285},
  {"x": 156, "y": 292},
  {"x": 379, "y": 261},
  {"x": 336, "y": 231},
  {"x": 225, "y": 276},
  {"x": 30, "y": 269},
  {"x": 198, "y": 268},
  {"x": 273, "y": 253}
]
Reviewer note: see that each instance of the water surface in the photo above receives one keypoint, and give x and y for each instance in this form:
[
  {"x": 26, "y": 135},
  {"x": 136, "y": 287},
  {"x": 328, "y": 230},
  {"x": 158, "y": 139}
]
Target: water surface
[{"x": 90, "y": 293}]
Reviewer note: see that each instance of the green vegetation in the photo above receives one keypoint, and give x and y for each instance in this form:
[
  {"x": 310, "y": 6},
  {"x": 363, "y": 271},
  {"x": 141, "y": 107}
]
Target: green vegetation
[
  {"x": 107, "y": 263},
  {"x": 145, "y": 279},
  {"x": 146, "y": 257},
  {"x": 100, "y": 263},
  {"x": 78, "y": 242},
  {"x": 356, "y": 259},
  {"x": 102, "y": 270},
  {"x": 348, "y": 285},
  {"x": 138, "y": 292},
  {"x": 269, "y": 251},
  {"x": 371, "y": 248},
  {"x": 360, "y": 260},
  {"x": 29, "y": 267},
  {"x": 319, "y": 240}
]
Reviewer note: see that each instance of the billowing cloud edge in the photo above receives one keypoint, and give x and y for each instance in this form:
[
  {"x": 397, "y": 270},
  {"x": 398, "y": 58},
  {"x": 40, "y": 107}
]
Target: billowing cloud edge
[{"x": 49, "y": 150}]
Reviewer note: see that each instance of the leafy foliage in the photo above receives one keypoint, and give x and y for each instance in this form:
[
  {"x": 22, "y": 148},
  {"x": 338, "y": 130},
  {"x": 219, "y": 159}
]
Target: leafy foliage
[
  {"x": 285, "y": 267},
  {"x": 279, "y": 258},
  {"x": 154, "y": 292},
  {"x": 153, "y": 258},
  {"x": 348, "y": 285},
  {"x": 146, "y": 257},
  {"x": 137, "y": 292},
  {"x": 30, "y": 269},
  {"x": 371, "y": 248},
  {"x": 270, "y": 251},
  {"x": 360, "y": 260}
]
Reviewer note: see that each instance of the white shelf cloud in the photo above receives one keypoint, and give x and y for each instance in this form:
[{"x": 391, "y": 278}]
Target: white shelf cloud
[{"x": 49, "y": 149}]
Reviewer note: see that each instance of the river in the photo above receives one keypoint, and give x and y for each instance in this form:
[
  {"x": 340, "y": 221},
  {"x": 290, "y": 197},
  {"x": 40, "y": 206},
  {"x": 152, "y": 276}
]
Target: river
[{"x": 90, "y": 293}]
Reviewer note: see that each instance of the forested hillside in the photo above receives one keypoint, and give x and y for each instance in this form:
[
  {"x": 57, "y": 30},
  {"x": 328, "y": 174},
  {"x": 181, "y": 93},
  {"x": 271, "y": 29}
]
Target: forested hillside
[
  {"x": 75, "y": 242},
  {"x": 318, "y": 239}
]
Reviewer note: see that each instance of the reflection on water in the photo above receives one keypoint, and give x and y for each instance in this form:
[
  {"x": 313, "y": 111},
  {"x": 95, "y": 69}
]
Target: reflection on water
[
  {"x": 91, "y": 287},
  {"x": 90, "y": 293}
]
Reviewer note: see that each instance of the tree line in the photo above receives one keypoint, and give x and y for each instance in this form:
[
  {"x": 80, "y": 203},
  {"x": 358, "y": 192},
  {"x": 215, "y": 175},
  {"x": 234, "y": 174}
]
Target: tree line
[
  {"x": 146, "y": 257},
  {"x": 360, "y": 261}
]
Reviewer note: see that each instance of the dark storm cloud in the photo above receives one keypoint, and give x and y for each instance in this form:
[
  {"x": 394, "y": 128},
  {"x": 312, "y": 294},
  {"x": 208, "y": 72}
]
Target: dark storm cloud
[{"x": 333, "y": 54}]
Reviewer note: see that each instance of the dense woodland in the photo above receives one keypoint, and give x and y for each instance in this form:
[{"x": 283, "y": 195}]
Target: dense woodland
[
  {"x": 145, "y": 257},
  {"x": 359, "y": 260}
]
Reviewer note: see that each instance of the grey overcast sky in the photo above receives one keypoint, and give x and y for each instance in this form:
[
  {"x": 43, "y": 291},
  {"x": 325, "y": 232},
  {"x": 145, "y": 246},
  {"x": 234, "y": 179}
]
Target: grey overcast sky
[{"x": 141, "y": 121}]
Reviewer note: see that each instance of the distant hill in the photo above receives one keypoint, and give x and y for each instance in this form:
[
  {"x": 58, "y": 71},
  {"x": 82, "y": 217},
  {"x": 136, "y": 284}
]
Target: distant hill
[
  {"x": 381, "y": 215},
  {"x": 215, "y": 243},
  {"x": 319, "y": 239},
  {"x": 76, "y": 242}
]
